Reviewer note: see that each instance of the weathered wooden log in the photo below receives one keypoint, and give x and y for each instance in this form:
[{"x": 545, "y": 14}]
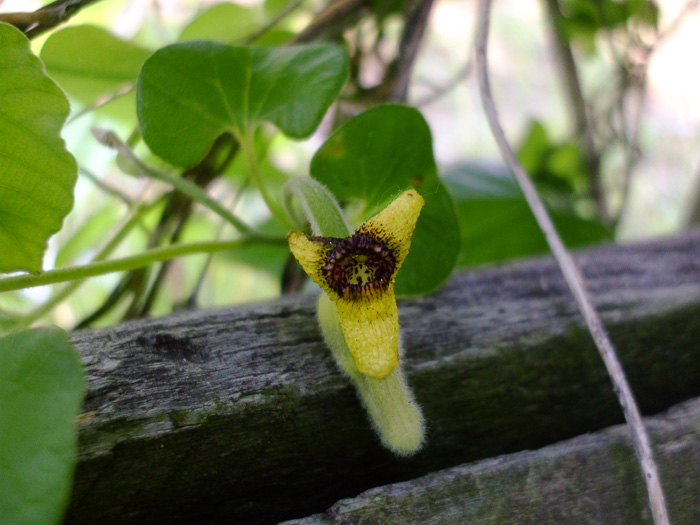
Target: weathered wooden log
[
  {"x": 588, "y": 479},
  {"x": 240, "y": 415}
]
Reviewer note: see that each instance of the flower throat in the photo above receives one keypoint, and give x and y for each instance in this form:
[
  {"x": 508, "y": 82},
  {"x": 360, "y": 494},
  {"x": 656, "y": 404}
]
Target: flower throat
[{"x": 359, "y": 265}]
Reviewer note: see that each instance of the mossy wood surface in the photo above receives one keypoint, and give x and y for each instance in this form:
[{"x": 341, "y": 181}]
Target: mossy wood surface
[
  {"x": 240, "y": 416},
  {"x": 588, "y": 479}
]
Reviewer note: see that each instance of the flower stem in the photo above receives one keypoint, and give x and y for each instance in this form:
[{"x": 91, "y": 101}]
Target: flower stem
[
  {"x": 394, "y": 413},
  {"x": 130, "y": 263}
]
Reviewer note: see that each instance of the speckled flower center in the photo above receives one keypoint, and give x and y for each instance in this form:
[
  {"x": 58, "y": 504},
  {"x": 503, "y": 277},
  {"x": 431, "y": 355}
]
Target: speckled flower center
[{"x": 359, "y": 265}]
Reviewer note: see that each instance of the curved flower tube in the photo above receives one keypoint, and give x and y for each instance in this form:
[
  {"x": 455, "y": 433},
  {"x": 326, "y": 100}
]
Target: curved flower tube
[{"x": 358, "y": 274}]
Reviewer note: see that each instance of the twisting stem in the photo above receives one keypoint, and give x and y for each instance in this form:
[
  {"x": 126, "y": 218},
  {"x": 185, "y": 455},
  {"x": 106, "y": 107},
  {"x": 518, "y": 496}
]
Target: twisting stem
[
  {"x": 109, "y": 190},
  {"x": 248, "y": 149},
  {"x": 190, "y": 189},
  {"x": 130, "y": 263},
  {"x": 135, "y": 219},
  {"x": 575, "y": 282}
]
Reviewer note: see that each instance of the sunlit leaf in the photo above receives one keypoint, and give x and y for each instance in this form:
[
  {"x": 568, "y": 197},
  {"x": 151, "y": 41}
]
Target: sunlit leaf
[
  {"x": 379, "y": 154},
  {"x": 37, "y": 174},
  {"x": 90, "y": 234},
  {"x": 227, "y": 23},
  {"x": 89, "y": 62},
  {"x": 42, "y": 387},
  {"x": 190, "y": 93}
]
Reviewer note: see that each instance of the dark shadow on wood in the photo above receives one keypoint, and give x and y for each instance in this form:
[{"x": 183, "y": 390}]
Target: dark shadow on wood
[{"x": 589, "y": 479}]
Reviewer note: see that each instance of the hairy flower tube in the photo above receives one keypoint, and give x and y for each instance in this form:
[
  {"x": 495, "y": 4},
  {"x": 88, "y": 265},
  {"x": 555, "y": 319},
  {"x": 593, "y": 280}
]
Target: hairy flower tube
[{"x": 358, "y": 274}]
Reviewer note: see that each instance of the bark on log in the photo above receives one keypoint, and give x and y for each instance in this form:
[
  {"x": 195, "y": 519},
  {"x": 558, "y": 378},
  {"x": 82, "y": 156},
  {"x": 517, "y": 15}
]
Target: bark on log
[
  {"x": 588, "y": 479},
  {"x": 239, "y": 415}
]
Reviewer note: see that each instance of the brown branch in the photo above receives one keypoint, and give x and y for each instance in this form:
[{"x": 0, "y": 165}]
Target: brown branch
[
  {"x": 584, "y": 129},
  {"x": 574, "y": 280},
  {"x": 412, "y": 36},
  {"x": 337, "y": 14},
  {"x": 209, "y": 168},
  {"x": 37, "y": 22},
  {"x": 272, "y": 23}
]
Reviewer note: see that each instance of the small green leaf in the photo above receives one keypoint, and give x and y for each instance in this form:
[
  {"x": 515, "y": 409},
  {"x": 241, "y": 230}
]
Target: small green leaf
[
  {"x": 496, "y": 221},
  {"x": 37, "y": 174},
  {"x": 379, "y": 154},
  {"x": 190, "y": 93},
  {"x": 89, "y": 62},
  {"x": 557, "y": 168},
  {"x": 226, "y": 23},
  {"x": 318, "y": 205},
  {"x": 42, "y": 387}
]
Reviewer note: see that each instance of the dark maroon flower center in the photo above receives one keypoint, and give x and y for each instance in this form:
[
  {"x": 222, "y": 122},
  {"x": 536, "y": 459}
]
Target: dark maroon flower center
[{"x": 359, "y": 265}]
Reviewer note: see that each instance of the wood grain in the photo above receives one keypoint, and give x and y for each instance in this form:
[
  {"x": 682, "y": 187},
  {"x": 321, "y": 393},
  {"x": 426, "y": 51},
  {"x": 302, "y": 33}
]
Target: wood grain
[{"x": 239, "y": 415}]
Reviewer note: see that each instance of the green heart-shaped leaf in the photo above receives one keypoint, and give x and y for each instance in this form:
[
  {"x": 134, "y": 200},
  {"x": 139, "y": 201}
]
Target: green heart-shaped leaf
[
  {"x": 190, "y": 93},
  {"x": 37, "y": 174},
  {"x": 379, "y": 154},
  {"x": 42, "y": 387}
]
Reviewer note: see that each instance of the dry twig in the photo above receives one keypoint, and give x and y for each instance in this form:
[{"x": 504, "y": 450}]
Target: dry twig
[
  {"x": 37, "y": 22},
  {"x": 575, "y": 282}
]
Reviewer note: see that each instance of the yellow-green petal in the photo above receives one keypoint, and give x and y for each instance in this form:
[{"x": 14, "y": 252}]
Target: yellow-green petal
[
  {"x": 358, "y": 275},
  {"x": 371, "y": 330},
  {"x": 311, "y": 252},
  {"x": 394, "y": 225}
]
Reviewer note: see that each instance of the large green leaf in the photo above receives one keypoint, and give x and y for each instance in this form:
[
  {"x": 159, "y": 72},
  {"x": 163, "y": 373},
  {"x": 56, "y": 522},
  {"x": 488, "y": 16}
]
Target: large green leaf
[
  {"x": 42, "y": 387},
  {"x": 89, "y": 62},
  {"x": 496, "y": 221},
  {"x": 37, "y": 174},
  {"x": 374, "y": 157},
  {"x": 190, "y": 93}
]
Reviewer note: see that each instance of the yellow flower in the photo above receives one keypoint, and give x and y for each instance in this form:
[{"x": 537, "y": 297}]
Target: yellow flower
[{"x": 358, "y": 274}]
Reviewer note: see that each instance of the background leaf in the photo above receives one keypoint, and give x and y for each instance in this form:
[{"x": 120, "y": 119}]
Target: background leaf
[
  {"x": 37, "y": 174},
  {"x": 89, "y": 62},
  {"x": 190, "y": 93},
  {"x": 42, "y": 387},
  {"x": 496, "y": 221},
  {"x": 226, "y": 23},
  {"x": 90, "y": 235},
  {"x": 557, "y": 168},
  {"x": 374, "y": 157}
]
